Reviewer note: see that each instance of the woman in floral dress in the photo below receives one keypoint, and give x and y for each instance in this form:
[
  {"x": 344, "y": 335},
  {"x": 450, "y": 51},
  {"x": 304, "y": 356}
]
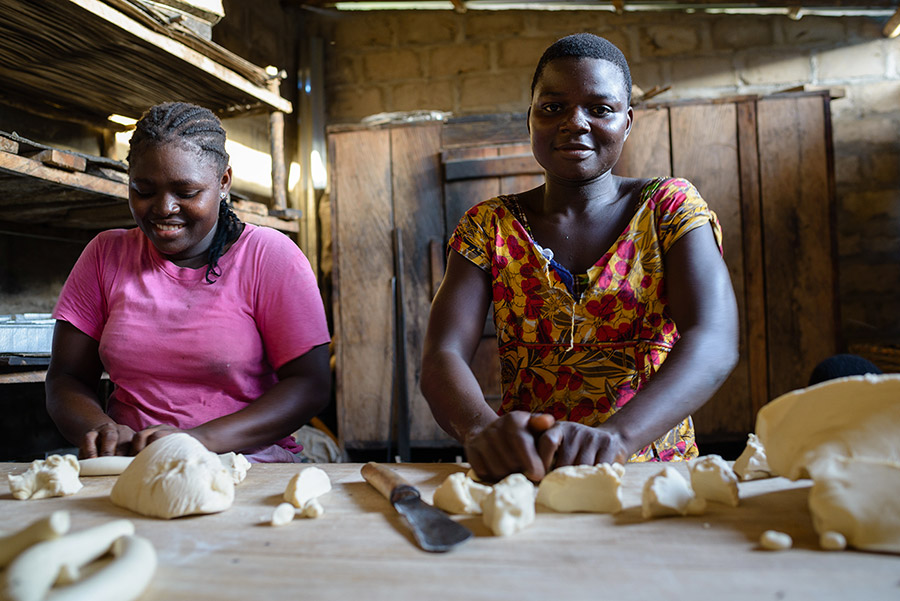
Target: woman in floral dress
[{"x": 614, "y": 311}]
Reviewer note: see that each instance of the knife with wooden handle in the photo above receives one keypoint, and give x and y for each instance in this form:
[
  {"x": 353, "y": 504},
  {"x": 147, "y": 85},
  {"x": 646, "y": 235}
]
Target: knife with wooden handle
[{"x": 433, "y": 529}]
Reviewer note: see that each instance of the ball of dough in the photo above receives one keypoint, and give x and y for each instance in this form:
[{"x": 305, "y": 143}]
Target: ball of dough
[
  {"x": 56, "y": 476},
  {"x": 510, "y": 505},
  {"x": 460, "y": 494},
  {"x": 173, "y": 477},
  {"x": 594, "y": 488}
]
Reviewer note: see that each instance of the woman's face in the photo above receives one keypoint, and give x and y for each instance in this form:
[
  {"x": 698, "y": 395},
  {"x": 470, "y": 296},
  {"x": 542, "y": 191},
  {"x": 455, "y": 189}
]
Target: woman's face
[
  {"x": 579, "y": 118},
  {"x": 174, "y": 195}
]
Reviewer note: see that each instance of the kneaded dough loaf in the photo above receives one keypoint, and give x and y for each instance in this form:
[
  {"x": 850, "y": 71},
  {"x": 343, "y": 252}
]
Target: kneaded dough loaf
[
  {"x": 592, "y": 488},
  {"x": 55, "y": 476},
  {"x": 714, "y": 480},
  {"x": 510, "y": 505},
  {"x": 172, "y": 477},
  {"x": 460, "y": 494},
  {"x": 668, "y": 493}
]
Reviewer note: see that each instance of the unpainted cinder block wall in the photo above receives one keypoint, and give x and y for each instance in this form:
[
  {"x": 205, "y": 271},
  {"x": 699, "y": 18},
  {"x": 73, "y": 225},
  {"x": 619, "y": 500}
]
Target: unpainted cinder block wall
[{"x": 482, "y": 62}]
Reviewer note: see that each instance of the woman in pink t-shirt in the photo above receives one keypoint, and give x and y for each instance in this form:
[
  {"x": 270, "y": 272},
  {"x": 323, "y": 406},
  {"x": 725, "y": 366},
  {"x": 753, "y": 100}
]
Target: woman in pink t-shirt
[{"x": 205, "y": 324}]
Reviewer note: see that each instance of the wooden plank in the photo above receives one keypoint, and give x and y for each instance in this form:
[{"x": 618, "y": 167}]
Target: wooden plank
[
  {"x": 480, "y": 130},
  {"x": 460, "y": 196},
  {"x": 7, "y": 145},
  {"x": 754, "y": 268},
  {"x": 61, "y": 159},
  {"x": 25, "y": 167},
  {"x": 416, "y": 184},
  {"x": 797, "y": 205},
  {"x": 362, "y": 549},
  {"x": 363, "y": 268},
  {"x": 647, "y": 151},
  {"x": 491, "y": 167},
  {"x": 705, "y": 151},
  {"x": 525, "y": 179}
]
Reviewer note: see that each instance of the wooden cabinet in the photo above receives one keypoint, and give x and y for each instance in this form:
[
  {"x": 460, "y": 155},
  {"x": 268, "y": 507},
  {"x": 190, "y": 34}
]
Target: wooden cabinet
[{"x": 763, "y": 164}]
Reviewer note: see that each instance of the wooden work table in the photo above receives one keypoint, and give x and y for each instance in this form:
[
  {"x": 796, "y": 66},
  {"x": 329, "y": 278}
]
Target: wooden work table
[{"x": 360, "y": 550}]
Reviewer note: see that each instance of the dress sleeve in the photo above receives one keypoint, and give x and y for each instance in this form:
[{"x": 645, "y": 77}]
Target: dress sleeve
[
  {"x": 289, "y": 309},
  {"x": 471, "y": 237},
  {"x": 82, "y": 302},
  {"x": 680, "y": 209}
]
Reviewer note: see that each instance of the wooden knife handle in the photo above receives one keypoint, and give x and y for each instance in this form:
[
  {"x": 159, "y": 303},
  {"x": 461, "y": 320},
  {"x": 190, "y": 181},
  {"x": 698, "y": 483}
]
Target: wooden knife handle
[{"x": 384, "y": 479}]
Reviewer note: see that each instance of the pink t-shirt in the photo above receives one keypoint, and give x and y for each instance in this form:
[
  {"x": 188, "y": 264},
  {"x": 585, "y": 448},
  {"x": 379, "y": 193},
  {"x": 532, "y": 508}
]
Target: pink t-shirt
[{"x": 182, "y": 351}]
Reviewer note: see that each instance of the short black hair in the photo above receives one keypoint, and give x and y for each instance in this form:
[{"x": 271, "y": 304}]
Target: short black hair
[
  {"x": 841, "y": 366},
  {"x": 584, "y": 45}
]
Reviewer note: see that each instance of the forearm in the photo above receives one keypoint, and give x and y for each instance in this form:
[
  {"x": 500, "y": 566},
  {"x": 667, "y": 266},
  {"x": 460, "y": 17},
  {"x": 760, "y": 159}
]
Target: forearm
[
  {"x": 73, "y": 406},
  {"x": 454, "y": 395},
  {"x": 695, "y": 368},
  {"x": 277, "y": 413}
]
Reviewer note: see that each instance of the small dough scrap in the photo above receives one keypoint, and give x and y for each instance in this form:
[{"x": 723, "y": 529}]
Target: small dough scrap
[
  {"x": 48, "y": 528},
  {"x": 510, "y": 505},
  {"x": 714, "y": 480},
  {"x": 172, "y": 477},
  {"x": 772, "y": 540},
  {"x": 104, "y": 466},
  {"x": 592, "y": 488},
  {"x": 56, "y": 476},
  {"x": 460, "y": 494},
  {"x": 752, "y": 463},
  {"x": 858, "y": 499},
  {"x": 668, "y": 493},
  {"x": 813, "y": 424},
  {"x": 236, "y": 464},
  {"x": 832, "y": 541},
  {"x": 303, "y": 489},
  {"x": 283, "y": 514}
]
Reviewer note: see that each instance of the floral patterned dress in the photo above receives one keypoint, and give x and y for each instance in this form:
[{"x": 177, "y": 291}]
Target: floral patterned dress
[{"x": 582, "y": 355}]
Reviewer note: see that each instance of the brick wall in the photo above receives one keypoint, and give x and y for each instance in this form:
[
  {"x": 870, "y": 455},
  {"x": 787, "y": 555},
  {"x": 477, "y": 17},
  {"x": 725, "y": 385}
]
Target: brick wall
[{"x": 482, "y": 62}]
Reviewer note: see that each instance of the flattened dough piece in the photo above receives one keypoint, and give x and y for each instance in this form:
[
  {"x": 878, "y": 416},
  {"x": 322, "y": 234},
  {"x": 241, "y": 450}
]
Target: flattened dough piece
[
  {"x": 510, "y": 506},
  {"x": 714, "y": 480},
  {"x": 283, "y": 514},
  {"x": 460, "y": 494},
  {"x": 668, "y": 493},
  {"x": 752, "y": 463},
  {"x": 857, "y": 498},
  {"x": 592, "y": 488},
  {"x": 55, "y": 476},
  {"x": 854, "y": 417},
  {"x": 172, "y": 477}
]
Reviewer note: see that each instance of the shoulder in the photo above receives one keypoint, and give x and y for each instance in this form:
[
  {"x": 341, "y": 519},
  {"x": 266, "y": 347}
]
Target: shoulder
[
  {"x": 266, "y": 240},
  {"x": 671, "y": 194},
  {"x": 114, "y": 243}
]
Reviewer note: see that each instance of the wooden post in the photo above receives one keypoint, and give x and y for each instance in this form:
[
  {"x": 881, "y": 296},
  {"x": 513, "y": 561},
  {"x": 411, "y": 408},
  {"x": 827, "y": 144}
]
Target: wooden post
[{"x": 276, "y": 142}]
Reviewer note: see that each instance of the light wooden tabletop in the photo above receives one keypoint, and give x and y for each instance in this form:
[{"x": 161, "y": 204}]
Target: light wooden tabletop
[{"x": 360, "y": 550}]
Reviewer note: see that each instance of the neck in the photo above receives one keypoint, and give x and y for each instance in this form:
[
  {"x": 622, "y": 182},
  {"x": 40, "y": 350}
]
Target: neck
[{"x": 565, "y": 196}]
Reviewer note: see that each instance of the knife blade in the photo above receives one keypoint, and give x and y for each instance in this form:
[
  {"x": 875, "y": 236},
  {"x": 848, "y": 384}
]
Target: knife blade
[{"x": 433, "y": 529}]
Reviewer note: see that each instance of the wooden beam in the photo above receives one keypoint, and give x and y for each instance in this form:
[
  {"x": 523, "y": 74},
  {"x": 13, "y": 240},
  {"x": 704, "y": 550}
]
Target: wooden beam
[{"x": 496, "y": 166}]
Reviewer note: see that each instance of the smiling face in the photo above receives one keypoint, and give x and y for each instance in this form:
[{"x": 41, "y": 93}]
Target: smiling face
[
  {"x": 174, "y": 195},
  {"x": 579, "y": 118}
]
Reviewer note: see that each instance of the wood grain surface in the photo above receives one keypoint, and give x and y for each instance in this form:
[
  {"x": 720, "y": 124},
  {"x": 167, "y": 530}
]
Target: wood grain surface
[{"x": 360, "y": 548}]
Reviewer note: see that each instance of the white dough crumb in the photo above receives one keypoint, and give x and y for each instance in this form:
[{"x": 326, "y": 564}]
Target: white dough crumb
[{"x": 773, "y": 540}]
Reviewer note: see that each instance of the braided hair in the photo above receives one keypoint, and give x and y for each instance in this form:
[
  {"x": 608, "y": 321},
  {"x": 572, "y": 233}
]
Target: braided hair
[
  {"x": 584, "y": 45},
  {"x": 193, "y": 126}
]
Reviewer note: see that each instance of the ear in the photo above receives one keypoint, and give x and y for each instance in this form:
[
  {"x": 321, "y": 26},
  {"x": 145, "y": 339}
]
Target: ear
[
  {"x": 630, "y": 117},
  {"x": 225, "y": 183}
]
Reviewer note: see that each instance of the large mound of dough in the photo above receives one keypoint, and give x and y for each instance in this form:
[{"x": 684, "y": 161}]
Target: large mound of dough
[
  {"x": 172, "y": 477},
  {"x": 854, "y": 417},
  {"x": 752, "y": 463},
  {"x": 857, "y": 498},
  {"x": 593, "y": 488},
  {"x": 55, "y": 476}
]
